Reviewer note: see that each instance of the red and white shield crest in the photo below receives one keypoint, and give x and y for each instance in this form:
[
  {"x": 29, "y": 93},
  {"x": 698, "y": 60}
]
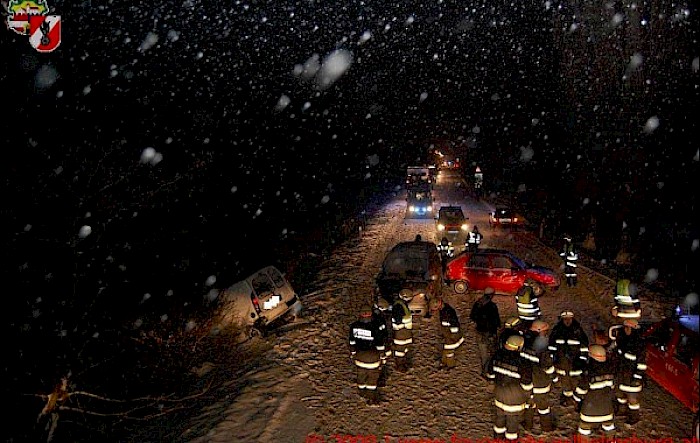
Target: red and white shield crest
[{"x": 45, "y": 32}]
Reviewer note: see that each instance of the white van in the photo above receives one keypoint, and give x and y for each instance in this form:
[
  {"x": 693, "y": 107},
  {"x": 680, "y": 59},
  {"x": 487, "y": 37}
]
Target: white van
[{"x": 260, "y": 302}]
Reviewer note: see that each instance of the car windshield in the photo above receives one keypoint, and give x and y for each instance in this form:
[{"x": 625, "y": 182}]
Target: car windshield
[
  {"x": 406, "y": 266},
  {"x": 452, "y": 214},
  {"x": 502, "y": 212}
]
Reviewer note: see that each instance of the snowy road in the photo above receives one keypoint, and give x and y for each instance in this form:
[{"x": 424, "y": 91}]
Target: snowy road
[{"x": 305, "y": 389}]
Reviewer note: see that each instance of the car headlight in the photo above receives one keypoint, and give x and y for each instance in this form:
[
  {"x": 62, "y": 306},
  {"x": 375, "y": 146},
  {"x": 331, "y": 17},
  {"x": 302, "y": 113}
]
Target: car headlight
[
  {"x": 441, "y": 227},
  {"x": 464, "y": 227},
  {"x": 515, "y": 219},
  {"x": 429, "y": 208},
  {"x": 412, "y": 208}
]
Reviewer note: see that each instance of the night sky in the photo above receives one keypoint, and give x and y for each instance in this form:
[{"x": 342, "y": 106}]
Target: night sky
[{"x": 162, "y": 144}]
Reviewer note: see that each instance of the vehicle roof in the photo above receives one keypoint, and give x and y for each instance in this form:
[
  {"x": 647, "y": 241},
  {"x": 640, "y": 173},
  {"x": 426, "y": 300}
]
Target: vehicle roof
[
  {"x": 503, "y": 208},
  {"x": 451, "y": 208},
  {"x": 688, "y": 324},
  {"x": 414, "y": 246}
]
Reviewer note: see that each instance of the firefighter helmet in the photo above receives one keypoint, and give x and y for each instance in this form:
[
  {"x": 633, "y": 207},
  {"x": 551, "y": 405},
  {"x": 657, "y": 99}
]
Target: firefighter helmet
[
  {"x": 512, "y": 322},
  {"x": 515, "y": 343},
  {"x": 597, "y": 352},
  {"x": 382, "y": 304},
  {"x": 366, "y": 311},
  {"x": 406, "y": 295},
  {"x": 567, "y": 314},
  {"x": 539, "y": 326}
]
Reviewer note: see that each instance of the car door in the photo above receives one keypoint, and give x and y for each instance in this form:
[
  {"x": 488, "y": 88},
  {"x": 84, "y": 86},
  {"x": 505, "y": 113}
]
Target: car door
[
  {"x": 683, "y": 368},
  {"x": 506, "y": 274},
  {"x": 477, "y": 271}
]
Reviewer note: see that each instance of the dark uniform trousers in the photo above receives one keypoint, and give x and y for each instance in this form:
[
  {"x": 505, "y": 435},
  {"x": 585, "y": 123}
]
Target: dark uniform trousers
[
  {"x": 542, "y": 374},
  {"x": 368, "y": 364},
  {"x": 512, "y": 393},
  {"x": 629, "y": 387},
  {"x": 453, "y": 339},
  {"x": 597, "y": 407}
]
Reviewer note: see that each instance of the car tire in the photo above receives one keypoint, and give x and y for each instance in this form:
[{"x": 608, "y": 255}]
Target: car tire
[{"x": 461, "y": 286}]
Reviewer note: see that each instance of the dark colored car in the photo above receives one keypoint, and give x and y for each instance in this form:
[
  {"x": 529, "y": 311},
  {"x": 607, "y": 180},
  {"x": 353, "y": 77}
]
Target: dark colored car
[
  {"x": 499, "y": 269},
  {"x": 451, "y": 220},
  {"x": 419, "y": 202},
  {"x": 503, "y": 216},
  {"x": 411, "y": 268}
]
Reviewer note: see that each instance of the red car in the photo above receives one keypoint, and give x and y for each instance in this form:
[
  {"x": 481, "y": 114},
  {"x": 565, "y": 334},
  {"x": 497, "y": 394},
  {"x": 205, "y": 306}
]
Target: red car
[
  {"x": 673, "y": 356},
  {"x": 497, "y": 268}
]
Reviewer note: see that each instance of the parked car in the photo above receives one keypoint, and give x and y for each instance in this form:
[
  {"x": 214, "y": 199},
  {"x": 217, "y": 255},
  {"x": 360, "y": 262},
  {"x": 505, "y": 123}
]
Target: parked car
[
  {"x": 451, "y": 220},
  {"x": 503, "y": 216},
  {"x": 412, "y": 268},
  {"x": 499, "y": 269},
  {"x": 260, "y": 302},
  {"x": 672, "y": 356}
]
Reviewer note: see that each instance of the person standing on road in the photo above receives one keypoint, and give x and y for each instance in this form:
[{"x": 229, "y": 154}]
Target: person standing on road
[
  {"x": 450, "y": 330},
  {"x": 631, "y": 369},
  {"x": 446, "y": 251},
  {"x": 512, "y": 377},
  {"x": 402, "y": 327},
  {"x": 627, "y": 304},
  {"x": 538, "y": 353},
  {"x": 474, "y": 239},
  {"x": 570, "y": 257},
  {"x": 527, "y": 303},
  {"x": 569, "y": 345},
  {"x": 594, "y": 395},
  {"x": 366, "y": 340},
  {"x": 487, "y": 319}
]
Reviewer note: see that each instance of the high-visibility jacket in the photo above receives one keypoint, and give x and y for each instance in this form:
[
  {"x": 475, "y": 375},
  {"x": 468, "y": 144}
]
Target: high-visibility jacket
[
  {"x": 537, "y": 352},
  {"x": 631, "y": 361},
  {"x": 626, "y": 301},
  {"x": 527, "y": 304},
  {"x": 512, "y": 376},
  {"x": 569, "y": 346},
  {"x": 450, "y": 328},
  {"x": 595, "y": 391}
]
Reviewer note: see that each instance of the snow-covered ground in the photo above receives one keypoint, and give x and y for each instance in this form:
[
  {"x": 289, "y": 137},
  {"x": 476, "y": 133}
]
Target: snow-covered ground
[{"x": 304, "y": 390}]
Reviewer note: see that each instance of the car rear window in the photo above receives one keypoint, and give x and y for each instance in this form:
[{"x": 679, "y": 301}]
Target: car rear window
[{"x": 276, "y": 277}]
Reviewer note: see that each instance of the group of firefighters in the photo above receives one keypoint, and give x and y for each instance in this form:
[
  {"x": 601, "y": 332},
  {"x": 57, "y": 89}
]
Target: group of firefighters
[{"x": 523, "y": 359}]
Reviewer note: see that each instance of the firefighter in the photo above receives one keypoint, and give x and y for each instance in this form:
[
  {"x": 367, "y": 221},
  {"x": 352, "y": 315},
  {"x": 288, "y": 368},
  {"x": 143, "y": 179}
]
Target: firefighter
[
  {"x": 527, "y": 304},
  {"x": 367, "y": 349},
  {"x": 487, "y": 319},
  {"x": 569, "y": 345},
  {"x": 512, "y": 376},
  {"x": 381, "y": 312},
  {"x": 570, "y": 257},
  {"x": 627, "y": 304},
  {"x": 450, "y": 330},
  {"x": 594, "y": 394},
  {"x": 474, "y": 239},
  {"x": 446, "y": 251},
  {"x": 538, "y": 353},
  {"x": 402, "y": 327},
  {"x": 631, "y": 368}
]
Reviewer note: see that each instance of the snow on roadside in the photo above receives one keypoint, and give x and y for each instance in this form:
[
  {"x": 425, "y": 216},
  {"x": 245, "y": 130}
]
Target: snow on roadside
[{"x": 308, "y": 387}]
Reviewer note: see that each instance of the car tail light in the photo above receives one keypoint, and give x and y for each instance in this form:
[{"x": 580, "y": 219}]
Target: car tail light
[{"x": 256, "y": 302}]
